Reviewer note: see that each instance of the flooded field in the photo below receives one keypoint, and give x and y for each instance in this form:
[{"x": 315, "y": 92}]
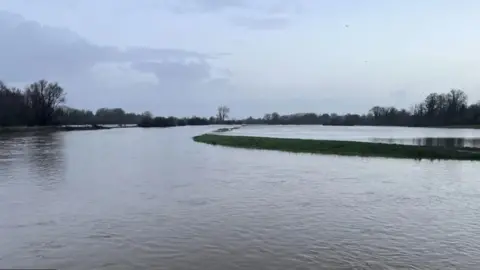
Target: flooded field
[{"x": 154, "y": 199}]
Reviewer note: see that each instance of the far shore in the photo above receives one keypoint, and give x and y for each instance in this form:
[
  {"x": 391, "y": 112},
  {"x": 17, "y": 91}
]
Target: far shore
[
  {"x": 20, "y": 129},
  {"x": 386, "y": 126}
]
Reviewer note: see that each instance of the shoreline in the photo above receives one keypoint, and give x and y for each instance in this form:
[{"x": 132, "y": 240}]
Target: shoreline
[
  {"x": 26, "y": 129},
  {"x": 386, "y": 126},
  {"x": 341, "y": 148}
]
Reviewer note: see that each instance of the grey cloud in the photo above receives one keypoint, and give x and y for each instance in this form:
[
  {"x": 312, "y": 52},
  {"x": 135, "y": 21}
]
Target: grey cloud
[
  {"x": 149, "y": 53},
  {"x": 183, "y": 6},
  {"x": 265, "y": 6},
  {"x": 175, "y": 72},
  {"x": 265, "y": 23},
  {"x": 165, "y": 81},
  {"x": 29, "y": 51},
  {"x": 197, "y": 78},
  {"x": 271, "y": 14},
  {"x": 285, "y": 6}
]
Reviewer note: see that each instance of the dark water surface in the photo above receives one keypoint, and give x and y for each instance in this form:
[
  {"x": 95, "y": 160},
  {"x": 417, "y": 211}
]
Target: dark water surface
[{"x": 154, "y": 199}]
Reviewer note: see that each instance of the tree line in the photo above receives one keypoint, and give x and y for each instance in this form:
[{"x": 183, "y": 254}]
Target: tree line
[
  {"x": 437, "y": 109},
  {"x": 35, "y": 105},
  {"x": 43, "y": 103},
  {"x": 148, "y": 120}
]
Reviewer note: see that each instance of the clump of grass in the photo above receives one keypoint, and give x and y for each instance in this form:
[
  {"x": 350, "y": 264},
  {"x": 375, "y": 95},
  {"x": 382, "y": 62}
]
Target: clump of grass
[
  {"x": 225, "y": 129},
  {"x": 346, "y": 148},
  {"x": 222, "y": 130}
]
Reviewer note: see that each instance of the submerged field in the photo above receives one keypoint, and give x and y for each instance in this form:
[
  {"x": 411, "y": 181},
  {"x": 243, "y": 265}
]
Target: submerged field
[
  {"x": 153, "y": 198},
  {"x": 347, "y": 148}
]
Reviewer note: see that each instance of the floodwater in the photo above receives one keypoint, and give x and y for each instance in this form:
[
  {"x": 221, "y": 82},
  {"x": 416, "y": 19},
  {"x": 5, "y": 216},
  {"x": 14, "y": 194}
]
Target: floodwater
[
  {"x": 154, "y": 199},
  {"x": 397, "y": 135}
]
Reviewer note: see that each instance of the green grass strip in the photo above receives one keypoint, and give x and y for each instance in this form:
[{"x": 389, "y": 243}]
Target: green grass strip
[{"x": 345, "y": 148}]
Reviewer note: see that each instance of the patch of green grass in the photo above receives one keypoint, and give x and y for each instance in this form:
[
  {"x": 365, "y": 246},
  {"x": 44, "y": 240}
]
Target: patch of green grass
[{"x": 346, "y": 148}]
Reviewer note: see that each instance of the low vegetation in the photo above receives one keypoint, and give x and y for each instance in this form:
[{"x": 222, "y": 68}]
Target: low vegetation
[
  {"x": 226, "y": 129},
  {"x": 347, "y": 148}
]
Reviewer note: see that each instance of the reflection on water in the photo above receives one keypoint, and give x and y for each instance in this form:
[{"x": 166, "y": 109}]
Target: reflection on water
[
  {"x": 46, "y": 158},
  {"x": 154, "y": 199},
  {"x": 37, "y": 154},
  {"x": 443, "y": 142}
]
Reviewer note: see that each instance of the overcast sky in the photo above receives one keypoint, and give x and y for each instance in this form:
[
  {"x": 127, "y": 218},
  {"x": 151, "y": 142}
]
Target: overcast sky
[{"x": 186, "y": 57}]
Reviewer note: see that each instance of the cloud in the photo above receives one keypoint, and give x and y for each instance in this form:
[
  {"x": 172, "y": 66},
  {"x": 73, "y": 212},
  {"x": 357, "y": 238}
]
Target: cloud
[
  {"x": 108, "y": 74},
  {"x": 145, "y": 53},
  {"x": 265, "y": 6},
  {"x": 183, "y": 6},
  {"x": 262, "y": 23},
  {"x": 176, "y": 72},
  {"x": 29, "y": 51},
  {"x": 96, "y": 76},
  {"x": 255, "y": 15}
]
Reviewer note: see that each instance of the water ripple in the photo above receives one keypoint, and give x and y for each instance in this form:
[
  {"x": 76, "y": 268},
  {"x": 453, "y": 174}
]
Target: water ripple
[{"x": 91, "y": 200}]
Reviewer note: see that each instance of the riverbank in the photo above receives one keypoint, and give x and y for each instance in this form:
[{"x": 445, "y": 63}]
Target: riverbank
[
  {"x": 345, "y": 148},
  {"x": 56, "y": 128}
]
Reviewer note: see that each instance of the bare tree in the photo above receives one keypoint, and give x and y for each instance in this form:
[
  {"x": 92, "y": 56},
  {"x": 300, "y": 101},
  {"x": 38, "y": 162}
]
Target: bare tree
[
  {"x": 44, "y": 98},
  {"x": 147, "y": 114},
  {"x": 222, "y": 113}
]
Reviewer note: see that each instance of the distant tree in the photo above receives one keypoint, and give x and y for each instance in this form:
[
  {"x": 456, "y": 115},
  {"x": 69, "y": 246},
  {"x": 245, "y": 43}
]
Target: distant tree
[
  {"x": 222, "y": 113},
  {"x": 267, "y": 117},
  {"x": 147, "y": 114},
  {"x": 13, "y": 108},
  {"x": 456, "y": 106},
  {"x": 146, "y": 119},
  {"x": 275, "y": 118},
  {"x": 44, "y": 98},
  {"x": 112, "y": 116}
]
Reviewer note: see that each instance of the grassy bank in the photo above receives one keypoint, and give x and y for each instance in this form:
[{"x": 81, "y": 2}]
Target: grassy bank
[{"x": 345, "y": 148}]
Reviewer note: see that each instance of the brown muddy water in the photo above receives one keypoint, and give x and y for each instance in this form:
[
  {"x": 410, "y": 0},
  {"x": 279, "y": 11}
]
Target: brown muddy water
[{"x": 154, "y": 199}]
